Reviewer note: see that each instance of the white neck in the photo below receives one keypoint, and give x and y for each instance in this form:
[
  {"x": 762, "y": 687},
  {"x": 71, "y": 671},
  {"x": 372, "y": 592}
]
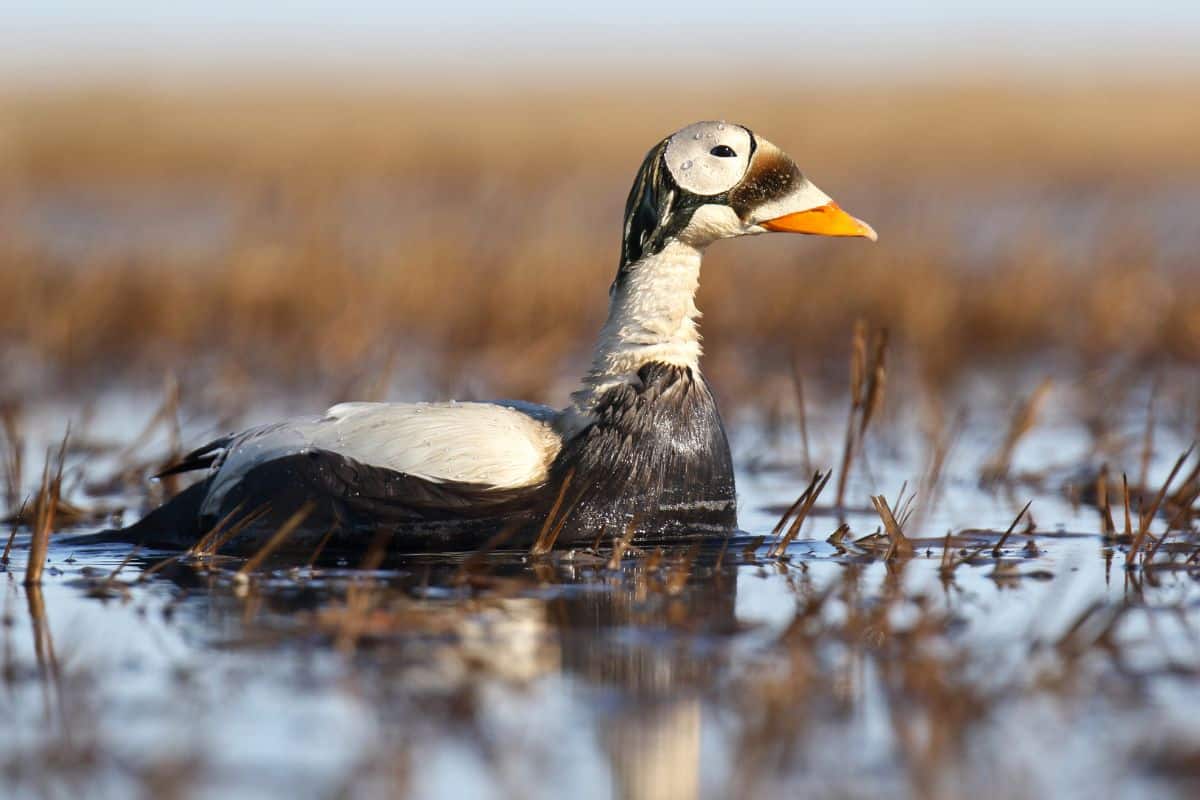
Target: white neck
[{"x": 651, "y": 317}]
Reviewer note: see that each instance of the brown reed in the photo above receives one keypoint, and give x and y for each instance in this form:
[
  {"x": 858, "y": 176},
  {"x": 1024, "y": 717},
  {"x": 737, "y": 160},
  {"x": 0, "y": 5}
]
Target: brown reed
[{"x": 346, "y": 227}]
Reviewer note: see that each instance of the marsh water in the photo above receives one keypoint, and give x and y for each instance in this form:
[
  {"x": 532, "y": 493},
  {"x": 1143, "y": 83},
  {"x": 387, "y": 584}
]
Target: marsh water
[{"x": 1044, "y": 669}]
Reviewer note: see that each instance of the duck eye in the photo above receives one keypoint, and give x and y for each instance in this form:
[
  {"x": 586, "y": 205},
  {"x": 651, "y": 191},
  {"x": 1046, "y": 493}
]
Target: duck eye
[{"x": 723, "y": 151}]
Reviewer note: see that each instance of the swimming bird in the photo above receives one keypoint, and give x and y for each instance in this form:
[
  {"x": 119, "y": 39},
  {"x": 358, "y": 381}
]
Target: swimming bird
[{"x": 640, "y": 444}]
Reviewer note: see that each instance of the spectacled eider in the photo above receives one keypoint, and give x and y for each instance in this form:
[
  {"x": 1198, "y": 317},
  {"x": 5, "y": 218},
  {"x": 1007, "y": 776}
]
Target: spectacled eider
[{"x": 641, "y": 440}]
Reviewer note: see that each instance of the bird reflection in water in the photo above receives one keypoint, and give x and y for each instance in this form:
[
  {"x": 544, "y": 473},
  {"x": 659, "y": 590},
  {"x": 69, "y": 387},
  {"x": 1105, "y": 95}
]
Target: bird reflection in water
[{"x": 639, "y": 641}]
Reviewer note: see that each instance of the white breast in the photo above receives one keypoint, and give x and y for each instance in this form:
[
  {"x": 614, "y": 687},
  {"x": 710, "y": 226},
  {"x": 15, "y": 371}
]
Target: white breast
[{"x": 481, "y": 443}]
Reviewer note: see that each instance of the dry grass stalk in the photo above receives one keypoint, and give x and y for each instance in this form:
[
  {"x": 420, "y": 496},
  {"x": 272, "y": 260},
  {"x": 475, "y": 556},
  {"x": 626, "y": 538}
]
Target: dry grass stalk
[
  {"x": 621, "y": 544},
  {"x": 795, "y": 506},
  {"x": 477, "y": 559},
  {"x": 1146, "y": 516},
  {"x": 868, "y": 376},
  {"x": 838, "y": 537},
  {"x": 801, "y": 413},
  {"x": 42, "y": 522},
  {"x": 654, "y": 560},
  {"x": 1000, "y": 544},
  {"x": 157, "y": 567},
  {"x": 12, "y": 535},
  {"x": 1185, "y": 495},
  {"x": 1094, "y": 627},
  {"x": 942, "y": 441},
  {"x": 1185, "y": 508},
  {"x": 899, "y": 545},
  {"x": 549, "y": 531},
  {"x": 202, "y": 545},
  {"x": 681, "y": 571},
  {"x": 904, "y": 506},
  {"x": 112, "y": 576},
  {"x": 43, "y": 642},
  {"x": 858, "y": 358},
  {"x": 14, "y": 454},
  {"x": 278, "y": 538},
  {"x": 720, "y": 562},
  {"x": 167, "y": 414},
  {"x": 1106, "y": 517},
  {"x": 1148, "y": 436},
  {"x": 1126, "y": 500},
  {"x": 948, "y": 563},
  {"x": 558, "y": 527},
  {"x": 876, "y": 382},
  {"x": 320, "y": 548},
  {"x": 751, "y": 547},
  {"x": 226, "y": 536},
  {"x": 377, "y": 550},
  {"x": 352, "y": 621},
  {"x": 212, "y": 542},
  {"x": 800, "y": 509},
  {"x": 110, "y": 586},
  {"x": 1024, "y": 418},
  {"x": 46, "y": 505},
  {"x": 1181, "y": 513}
]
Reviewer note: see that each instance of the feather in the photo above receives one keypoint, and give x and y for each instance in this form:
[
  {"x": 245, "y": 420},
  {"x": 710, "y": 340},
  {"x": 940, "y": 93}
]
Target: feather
[
  {"x": 485, "y": 445},
  {"x": 200, "y": 458}
]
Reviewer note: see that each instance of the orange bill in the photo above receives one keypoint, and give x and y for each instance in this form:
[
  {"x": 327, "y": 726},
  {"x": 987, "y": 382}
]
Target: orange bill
[{"x": 826, "y": 220}]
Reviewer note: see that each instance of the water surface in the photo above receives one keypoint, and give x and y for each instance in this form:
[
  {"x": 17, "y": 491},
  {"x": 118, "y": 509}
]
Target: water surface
[{"x": 721, "y": 671}]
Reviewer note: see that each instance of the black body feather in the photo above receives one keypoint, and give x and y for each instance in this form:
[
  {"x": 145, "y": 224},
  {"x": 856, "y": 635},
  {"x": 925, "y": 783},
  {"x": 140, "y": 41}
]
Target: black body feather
[{"x": 655, "y": 454}]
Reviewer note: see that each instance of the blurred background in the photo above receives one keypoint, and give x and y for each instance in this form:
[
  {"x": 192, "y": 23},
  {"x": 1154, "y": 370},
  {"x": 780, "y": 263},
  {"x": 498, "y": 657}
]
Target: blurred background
[
  {"x": 213, "y": 213},
  {"x": 382, "y": 199}
]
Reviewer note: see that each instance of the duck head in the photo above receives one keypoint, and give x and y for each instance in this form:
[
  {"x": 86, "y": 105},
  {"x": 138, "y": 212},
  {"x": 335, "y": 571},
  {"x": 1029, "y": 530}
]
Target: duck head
[{"x": 716, "y": 180}]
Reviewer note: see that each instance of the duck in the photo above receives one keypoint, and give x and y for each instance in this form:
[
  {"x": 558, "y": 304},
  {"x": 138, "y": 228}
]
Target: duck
[{"x": 640, "y": 450}]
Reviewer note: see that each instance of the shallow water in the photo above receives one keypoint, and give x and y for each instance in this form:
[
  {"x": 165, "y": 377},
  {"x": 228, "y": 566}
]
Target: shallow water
[{"x": 1050, "y": 671}]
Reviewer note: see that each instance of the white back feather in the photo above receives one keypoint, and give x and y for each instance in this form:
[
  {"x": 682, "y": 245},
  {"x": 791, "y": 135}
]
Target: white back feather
[{"x": 481, "y": 443}]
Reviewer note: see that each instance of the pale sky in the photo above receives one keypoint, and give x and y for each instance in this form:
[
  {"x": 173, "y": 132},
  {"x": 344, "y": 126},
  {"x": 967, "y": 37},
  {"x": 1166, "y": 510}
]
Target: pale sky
[{"x": 859, "y": 35}]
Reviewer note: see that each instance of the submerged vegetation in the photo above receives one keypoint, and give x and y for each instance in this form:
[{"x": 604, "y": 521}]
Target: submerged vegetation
[{"x": 970, "y": 552}]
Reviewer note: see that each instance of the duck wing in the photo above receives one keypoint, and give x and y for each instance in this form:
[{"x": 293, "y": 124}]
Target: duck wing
[
  {"x": 424, "y": 467},
  {"x": 486, "y": 446}
]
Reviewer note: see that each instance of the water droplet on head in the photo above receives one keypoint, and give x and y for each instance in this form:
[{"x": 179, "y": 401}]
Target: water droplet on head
[
  {"x": 686, "y": 165},
  {"x": 696, "y": 136},
  {"x": 721, "y": 126}
]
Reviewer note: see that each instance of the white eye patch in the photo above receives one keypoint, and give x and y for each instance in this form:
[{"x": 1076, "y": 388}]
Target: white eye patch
[{"x": 709, "y": 158}]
